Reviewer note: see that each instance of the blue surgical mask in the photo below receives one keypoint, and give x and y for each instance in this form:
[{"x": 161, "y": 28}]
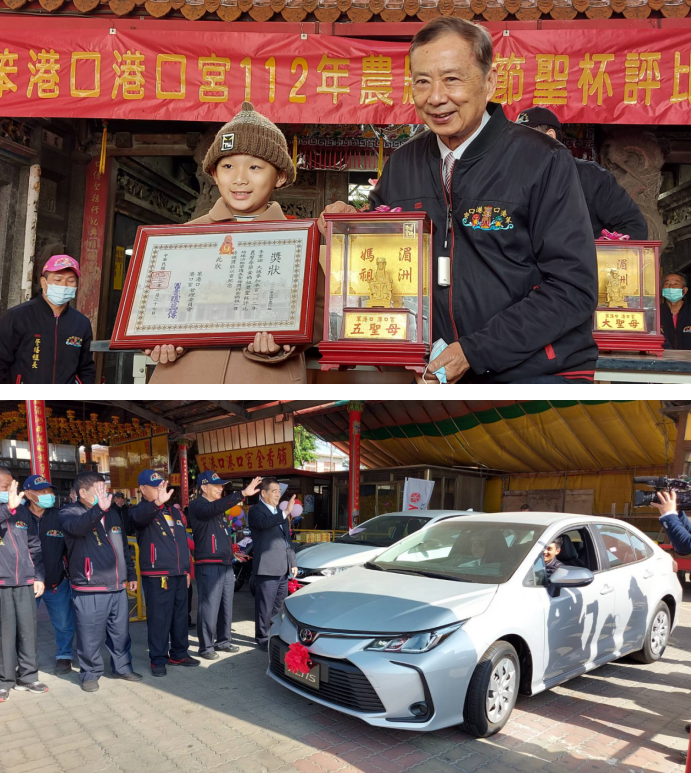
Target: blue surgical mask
[
  {"x": 59, "y": 295},
  {"x": 437, "y": 348},
  {"x": 673, "y": 294},
  {"x": 4, "y": 497},
  {"x": 46, "y": 501}
]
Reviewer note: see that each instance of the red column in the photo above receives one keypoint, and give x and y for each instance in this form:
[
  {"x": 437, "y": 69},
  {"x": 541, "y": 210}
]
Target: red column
[
  {"x": 38, "y": 438},
  {"x": 355, "y": 415},
  {"x": 88, "y": 456},
  {"x": 184, "y": 474}
]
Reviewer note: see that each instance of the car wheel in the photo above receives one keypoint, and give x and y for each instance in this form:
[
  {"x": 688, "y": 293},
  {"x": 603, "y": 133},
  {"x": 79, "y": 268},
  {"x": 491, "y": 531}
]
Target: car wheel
[
  {"x": 656, "y": 637},
  {"x": 492, "y": 691}
]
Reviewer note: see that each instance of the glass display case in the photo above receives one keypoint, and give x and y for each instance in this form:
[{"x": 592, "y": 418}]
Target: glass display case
[
  {"x": 627, "y": 317},
  {"x": 378, "y": 298}
]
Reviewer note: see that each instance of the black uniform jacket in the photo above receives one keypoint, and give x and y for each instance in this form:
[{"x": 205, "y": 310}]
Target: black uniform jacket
[
  {"x": 678, "y": 337},
  {"x": 36, "y": 347},
  {"x": 609, "y": 205},
  {"x": 273, "y": 553},
  {"x": 524, "y": 275},
  {"x": 21, "y": 562},
  {"x": 162, "y": 550},
  {"x": 212, "y": 542},
  {"x": 53, "y": 547},
  {"x": 99, "y": 556}
]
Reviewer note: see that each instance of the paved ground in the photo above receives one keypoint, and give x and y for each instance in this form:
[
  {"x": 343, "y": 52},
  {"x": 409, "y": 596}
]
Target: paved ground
[{"x": 228, "y": 716}]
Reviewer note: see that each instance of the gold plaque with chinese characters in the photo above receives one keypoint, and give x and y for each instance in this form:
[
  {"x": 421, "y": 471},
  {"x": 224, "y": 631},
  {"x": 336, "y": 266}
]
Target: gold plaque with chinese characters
[
  {"x": 620, "y": 321},
  {"x": 377, "y": 326}
]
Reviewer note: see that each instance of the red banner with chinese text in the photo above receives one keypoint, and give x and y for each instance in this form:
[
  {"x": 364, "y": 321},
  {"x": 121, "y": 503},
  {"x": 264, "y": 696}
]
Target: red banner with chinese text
[{"x": 147, "y": 71}]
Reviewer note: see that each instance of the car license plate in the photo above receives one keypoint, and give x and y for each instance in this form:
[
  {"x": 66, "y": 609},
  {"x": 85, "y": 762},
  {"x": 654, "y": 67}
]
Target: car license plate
[{"x": 310, "y": 679}]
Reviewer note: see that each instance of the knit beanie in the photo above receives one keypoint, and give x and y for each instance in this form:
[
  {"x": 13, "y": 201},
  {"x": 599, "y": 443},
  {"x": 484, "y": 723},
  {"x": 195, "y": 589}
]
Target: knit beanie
[{"x": 251, "y": 134}]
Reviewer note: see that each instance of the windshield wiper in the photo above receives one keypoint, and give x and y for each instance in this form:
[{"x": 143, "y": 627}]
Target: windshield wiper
[
  {"x": 370, "y": 565},
  {"x": 433, "y": 575},
  {"x": 352, "y": 541}
]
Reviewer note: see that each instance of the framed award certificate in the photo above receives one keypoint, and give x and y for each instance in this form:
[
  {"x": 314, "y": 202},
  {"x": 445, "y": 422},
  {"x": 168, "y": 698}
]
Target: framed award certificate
[{"x": 218, "y": 285}]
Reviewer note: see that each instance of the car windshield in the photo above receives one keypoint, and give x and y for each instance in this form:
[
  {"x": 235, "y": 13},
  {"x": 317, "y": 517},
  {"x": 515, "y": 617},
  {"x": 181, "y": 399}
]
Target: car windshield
[
  {"x": 471, "y": 551},
  {"x": 384, "y": 530}
]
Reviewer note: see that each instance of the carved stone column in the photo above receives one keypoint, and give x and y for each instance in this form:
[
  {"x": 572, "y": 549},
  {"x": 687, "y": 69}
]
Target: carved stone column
[{"x": 635, "y": 158}]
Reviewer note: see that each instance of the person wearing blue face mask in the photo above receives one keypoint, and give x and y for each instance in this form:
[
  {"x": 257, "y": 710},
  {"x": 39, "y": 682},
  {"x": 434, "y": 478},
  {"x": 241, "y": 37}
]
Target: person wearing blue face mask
[
  {"x": 675, "y": 312},
  {"x": 45, "y": 340},
  {"x": 57, "y": 596}
]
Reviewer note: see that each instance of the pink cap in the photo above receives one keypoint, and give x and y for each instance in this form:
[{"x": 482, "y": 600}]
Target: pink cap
[{"x": 60, "y": 263}]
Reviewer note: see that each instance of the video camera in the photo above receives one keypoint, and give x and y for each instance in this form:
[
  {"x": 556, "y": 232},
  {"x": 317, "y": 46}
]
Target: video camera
[{"x": 681, "y": 485}]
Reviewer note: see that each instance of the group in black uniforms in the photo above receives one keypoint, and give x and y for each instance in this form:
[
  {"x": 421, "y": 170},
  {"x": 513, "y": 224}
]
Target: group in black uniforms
[{"x": 78, "y": 560}]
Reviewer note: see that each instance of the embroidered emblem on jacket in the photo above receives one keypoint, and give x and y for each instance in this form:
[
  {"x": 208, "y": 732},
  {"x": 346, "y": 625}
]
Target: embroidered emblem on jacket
[
  {"x": 20, "y": 525},
  {"x": 54, "y": 533},
  {"x": 74, "y": 341},
  {"x": 116, "y": 530},
  {"x": 687, "y": 329},
  {"x": 486, "y": 218},
  {"x": 179, "y": 523}
]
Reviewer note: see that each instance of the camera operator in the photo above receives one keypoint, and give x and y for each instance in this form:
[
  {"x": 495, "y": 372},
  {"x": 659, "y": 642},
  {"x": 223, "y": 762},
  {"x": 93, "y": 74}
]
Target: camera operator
[{"x": 675, "y": 523}]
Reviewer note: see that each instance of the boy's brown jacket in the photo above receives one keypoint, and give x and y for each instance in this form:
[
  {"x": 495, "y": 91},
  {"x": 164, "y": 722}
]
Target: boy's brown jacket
[{"x": 239, "y": 366}]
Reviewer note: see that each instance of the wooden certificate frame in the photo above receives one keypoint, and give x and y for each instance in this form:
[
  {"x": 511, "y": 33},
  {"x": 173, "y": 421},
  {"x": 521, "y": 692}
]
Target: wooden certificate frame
[{"x": 163, "y": 284}]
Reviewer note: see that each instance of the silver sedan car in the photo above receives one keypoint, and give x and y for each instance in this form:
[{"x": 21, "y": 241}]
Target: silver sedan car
[{"x": 448, "y": 625}]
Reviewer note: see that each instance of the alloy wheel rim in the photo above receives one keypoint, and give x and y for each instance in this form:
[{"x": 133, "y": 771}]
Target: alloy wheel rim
[
  {"x": 659, "y": 633},
  {"x": 501, "y": 690}
]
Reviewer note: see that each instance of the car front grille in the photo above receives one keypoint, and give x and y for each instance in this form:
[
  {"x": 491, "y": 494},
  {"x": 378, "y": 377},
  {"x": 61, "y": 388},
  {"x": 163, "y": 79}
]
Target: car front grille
[{"x": 340, "y": 682}]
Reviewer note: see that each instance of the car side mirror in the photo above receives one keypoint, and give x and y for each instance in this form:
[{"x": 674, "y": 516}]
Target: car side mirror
[
  {"x": 246, "y": 532},
  {"x": 569, "y": 577}
]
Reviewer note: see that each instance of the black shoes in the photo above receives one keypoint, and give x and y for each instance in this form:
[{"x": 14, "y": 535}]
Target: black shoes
[
  {"x": 63, "y": 667},
  {"x": 186, "y": 662},
  {"x": 4, "y": 695},
  {"x": 34, "y": 687},
  {"x": 228, "y": 648},
  {"x": 209, "y": 655},
  {"x": 90, "y": 686},
  {"x": 263, "y": 646},
  {"x": 129, "y": 676},
  {"x": 158, "y": 669}
]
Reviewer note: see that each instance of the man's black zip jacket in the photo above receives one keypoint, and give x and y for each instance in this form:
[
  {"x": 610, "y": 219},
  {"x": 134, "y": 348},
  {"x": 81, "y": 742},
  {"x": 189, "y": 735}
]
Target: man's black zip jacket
[
  {"x": 524, "y": 273},
  {"x": 212, "y": 543},
  {"x": 99, "y": 557},
  {"x": 53, "y": 547},
  {"x": 162, "y": 550},
  {"x": 36, "y": 347},
  {"x": 21, "y": 562},
  {"x": 678, "y": 337},
  {"x": 609, "y": 205}
]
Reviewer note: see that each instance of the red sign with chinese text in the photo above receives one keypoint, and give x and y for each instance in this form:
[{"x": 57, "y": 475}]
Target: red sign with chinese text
[
  {"x": 93, "y": 238},
  {"x": 248, "y": 461},
  {"x": 151, "y": 71},
  {"x": 38, "y": 438}
]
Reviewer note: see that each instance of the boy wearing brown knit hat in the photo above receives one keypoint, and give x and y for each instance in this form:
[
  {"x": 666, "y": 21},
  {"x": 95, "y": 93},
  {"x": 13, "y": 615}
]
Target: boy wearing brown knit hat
[{"x": 248, "y": 160}]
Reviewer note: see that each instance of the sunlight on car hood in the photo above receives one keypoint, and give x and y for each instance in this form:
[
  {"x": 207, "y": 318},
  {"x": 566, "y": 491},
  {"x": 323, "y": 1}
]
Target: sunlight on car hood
[{"x": 367, "y": 600}]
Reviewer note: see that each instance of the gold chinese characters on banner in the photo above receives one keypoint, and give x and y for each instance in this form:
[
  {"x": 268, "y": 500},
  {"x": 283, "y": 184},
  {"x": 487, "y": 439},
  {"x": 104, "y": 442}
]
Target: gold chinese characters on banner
[
  {"x": 388, "y": 326},
  {"x": 248, "y": 461}
]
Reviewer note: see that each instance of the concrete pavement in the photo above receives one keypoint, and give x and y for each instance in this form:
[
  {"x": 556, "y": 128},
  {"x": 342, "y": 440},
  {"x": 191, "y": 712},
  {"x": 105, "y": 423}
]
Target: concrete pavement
[{"x": 227, "y": 715}]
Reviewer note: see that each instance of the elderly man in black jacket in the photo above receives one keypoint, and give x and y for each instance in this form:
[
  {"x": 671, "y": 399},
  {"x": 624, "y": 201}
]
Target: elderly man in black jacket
[
  {"x": 101, "y": 569},
  {"x": 213, "y": 558},
  {"x": 273, "y": 559},
  {"x": 514, "y": 265}
]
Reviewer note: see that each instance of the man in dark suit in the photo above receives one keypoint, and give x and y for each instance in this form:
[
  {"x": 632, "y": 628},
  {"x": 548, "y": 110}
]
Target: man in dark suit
[{"x": 273, "y": 561}]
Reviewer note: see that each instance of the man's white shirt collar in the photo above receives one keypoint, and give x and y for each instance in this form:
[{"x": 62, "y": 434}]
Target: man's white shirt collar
[{"x": 460, "y": 150}]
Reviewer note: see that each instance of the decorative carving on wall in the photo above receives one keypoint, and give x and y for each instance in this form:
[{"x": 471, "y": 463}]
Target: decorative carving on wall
[
  {"x": 635, "y": 158},
  {"x": 152, "y": 197},
  {"x": 208, "y": 192}
]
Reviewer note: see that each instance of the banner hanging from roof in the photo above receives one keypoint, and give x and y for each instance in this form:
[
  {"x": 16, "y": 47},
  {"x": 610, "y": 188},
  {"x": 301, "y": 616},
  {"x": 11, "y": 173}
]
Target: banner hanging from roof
[{"x": 147, "y": 71}]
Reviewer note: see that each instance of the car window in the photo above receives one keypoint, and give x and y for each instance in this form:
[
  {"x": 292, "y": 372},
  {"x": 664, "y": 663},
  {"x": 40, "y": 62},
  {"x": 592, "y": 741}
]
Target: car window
[
  {"x": 617, "y": 544},
  {"x": 471, "y": 551},
  {"x": 642, "y": 549},
  {"x": 384, "y": 530},
  {"x": 537, "y": 576}
]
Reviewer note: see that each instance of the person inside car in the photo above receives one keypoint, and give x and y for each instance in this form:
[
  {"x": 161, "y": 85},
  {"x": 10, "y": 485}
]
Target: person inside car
[{"x": 550, "y": 553}]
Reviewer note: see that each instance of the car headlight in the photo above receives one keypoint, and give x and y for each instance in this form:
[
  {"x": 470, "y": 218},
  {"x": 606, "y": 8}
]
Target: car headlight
[
  {"x": 414, "y": 642},
  {"x": 333, "y": 570}
]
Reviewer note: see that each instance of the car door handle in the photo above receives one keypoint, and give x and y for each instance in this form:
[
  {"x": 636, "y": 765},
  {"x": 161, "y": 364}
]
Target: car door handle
[
  {"x": 648, "y": 574},
  {"x": 606, "y": 589}
]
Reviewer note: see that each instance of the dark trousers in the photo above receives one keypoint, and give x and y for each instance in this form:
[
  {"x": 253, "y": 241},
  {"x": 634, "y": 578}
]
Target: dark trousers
[
  {"x": 215, "y": 587},
  {"x": 18, "y": 648},
  {"x": 166, "y": 617},
  {"x": 269, "y": 594},
  {"x": 99, "y": 616},
  {"x": 190, "y": 596}
]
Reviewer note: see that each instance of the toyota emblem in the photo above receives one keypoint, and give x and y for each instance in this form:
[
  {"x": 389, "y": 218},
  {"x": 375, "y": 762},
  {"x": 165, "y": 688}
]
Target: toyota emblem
[{"x": 307, "y": 636}]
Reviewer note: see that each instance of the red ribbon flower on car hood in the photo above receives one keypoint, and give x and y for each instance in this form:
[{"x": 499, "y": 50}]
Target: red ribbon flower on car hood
[
  {"x": 293, "y": 585},
  {"x": 298, "y": 658}
]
